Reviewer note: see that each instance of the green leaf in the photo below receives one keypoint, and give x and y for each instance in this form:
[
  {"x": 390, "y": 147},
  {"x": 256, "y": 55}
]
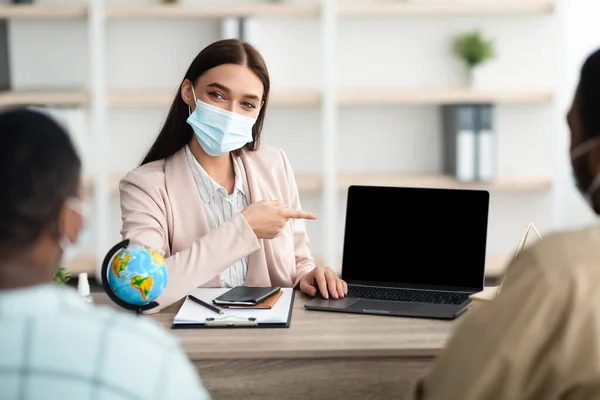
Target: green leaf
[
  {"x": 474, "y": 49},
  {"x": 61, "y": 276}
]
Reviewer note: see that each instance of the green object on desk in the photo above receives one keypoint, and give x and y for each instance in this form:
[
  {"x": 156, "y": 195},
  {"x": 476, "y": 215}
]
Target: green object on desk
[{"x": 61, "y": 276}]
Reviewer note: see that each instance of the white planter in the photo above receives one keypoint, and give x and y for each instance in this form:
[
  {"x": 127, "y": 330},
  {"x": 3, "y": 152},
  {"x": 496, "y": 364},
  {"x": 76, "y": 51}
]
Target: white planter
[
  {"x": 481, "y": 77},
  {"x": 475, "y": 78}
]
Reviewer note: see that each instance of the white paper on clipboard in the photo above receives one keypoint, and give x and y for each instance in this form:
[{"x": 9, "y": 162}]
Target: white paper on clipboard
[{"x": 193, "y": 313}]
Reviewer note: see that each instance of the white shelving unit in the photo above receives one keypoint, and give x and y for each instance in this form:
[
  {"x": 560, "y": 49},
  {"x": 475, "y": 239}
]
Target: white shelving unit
[{"x": 329, "y": 99}]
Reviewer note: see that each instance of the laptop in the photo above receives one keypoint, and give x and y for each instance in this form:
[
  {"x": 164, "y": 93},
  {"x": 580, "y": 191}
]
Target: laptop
[{"x": 413, "y": 252}]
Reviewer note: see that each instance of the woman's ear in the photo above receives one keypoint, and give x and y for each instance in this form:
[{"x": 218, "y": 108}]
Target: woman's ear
[{"x": 186, "y": 93}]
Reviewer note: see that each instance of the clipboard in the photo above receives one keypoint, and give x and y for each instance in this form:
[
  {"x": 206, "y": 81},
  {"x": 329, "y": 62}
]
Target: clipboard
[{"x": 194, "y": 316}]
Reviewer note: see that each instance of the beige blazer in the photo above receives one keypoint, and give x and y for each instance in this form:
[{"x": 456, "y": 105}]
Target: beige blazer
[
  {"x": 161, "y": 207},
  {"x": 538, "y": 339}
]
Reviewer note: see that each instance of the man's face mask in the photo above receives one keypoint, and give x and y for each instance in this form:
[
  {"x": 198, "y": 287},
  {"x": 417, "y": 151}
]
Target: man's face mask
[
  {"x": 581, "y": 172},
  {"x": 76, "y": 205}
]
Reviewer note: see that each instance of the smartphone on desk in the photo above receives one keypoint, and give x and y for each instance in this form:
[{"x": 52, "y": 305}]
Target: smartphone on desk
[{"x": 246, "y": 295}]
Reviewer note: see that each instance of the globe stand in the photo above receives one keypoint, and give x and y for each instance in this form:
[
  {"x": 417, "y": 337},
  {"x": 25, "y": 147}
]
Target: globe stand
[{"x": 139, "y": 309}]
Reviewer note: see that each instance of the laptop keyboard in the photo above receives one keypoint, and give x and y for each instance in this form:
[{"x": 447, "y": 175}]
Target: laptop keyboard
[{"x": 415, "y": 296}]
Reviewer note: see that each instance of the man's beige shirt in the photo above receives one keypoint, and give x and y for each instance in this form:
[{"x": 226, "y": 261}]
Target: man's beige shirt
[{"x": 540, "y": 337}]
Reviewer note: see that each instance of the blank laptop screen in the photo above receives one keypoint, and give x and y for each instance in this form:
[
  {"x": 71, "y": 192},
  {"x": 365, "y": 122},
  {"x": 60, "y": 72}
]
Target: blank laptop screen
[{"x": 415, "y": 237}]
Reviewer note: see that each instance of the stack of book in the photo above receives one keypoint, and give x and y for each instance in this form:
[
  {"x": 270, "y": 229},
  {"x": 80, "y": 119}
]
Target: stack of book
[{"x": 469, "y": 142}]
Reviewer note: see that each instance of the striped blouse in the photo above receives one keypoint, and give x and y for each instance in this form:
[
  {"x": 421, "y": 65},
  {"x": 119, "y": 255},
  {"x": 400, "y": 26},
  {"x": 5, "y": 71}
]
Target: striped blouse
[{"x": 220, "y": 207}]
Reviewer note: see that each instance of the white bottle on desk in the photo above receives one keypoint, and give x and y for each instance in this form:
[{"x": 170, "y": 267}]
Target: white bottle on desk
[{"x": 83, "y": 287}]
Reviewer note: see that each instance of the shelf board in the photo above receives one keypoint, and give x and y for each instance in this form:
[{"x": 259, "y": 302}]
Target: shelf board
[
  {"x": 141, "y": 98},
  {"x": 308, "y": 182},
  {"x": 164, "y": 97},
  {"x": 394, "y": 8},
  {"x": 113, "y": 183},
  {"x": 305, "y": 182},
  {"x": 84, "y": 263},
  {"x": 442, "y": 181},
  {"x": 363, "y": 8},
  {"x": 295, "y": 97},
  {"x": 214, "y": 10},
  {"x": 372, "y": 96},
  {"x": 311, "y": 182},
  {"x": 43, "y": 11},
  {"x": 43, "y": 97},
  {"x": 348, "y": 97}
]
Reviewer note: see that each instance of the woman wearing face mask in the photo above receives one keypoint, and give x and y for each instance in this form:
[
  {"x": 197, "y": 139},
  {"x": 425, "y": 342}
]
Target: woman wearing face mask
[
  {"x": 223, "y": 208},
  {"x": 540, "y": 338},
  {"x": 52, "y": 344}
]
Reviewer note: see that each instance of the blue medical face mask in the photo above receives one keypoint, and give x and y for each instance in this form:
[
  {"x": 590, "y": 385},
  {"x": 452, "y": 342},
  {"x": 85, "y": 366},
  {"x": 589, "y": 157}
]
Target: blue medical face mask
[
  {"x": 588, "y": 192},
  {"x": 219, "y": 131},
  {"x": 67, "y": 247}
]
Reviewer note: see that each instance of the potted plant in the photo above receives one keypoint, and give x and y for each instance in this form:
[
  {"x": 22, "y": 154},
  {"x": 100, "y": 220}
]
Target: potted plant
[
  {"x": 61, "y": 276},
  {"x": 474, "y": 50}
]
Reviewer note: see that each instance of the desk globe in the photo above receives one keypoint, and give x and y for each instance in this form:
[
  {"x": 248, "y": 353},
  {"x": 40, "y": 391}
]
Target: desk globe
[{"x": 133, "y": 276}]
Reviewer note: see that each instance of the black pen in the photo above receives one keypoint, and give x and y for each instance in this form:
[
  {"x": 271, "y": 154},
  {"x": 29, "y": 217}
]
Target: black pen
[{"x": 209, "y": 306}]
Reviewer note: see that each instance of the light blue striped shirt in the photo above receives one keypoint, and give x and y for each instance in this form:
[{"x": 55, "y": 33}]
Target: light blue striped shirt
[
  {"x": 220, "y": 206},
  {"x": 54, "y": 346}
]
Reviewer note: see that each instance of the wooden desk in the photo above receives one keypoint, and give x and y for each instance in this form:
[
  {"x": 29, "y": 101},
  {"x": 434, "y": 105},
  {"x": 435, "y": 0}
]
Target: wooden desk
[{"x": 323, "y": 355}]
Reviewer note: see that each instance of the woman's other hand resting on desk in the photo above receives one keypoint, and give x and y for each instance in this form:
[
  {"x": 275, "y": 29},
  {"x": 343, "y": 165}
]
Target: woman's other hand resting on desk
[
  {"x": 268, "y": 218},
  {"x": 326, "y": 281}
]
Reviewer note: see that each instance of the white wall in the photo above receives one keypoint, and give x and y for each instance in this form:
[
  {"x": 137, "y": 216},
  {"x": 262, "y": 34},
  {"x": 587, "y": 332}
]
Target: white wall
[{"x": 389, "y": 52}]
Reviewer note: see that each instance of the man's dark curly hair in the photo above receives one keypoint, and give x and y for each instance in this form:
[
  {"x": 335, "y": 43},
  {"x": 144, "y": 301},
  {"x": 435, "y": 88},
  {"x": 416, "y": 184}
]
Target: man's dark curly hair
[{"x": 39, "y": 170}]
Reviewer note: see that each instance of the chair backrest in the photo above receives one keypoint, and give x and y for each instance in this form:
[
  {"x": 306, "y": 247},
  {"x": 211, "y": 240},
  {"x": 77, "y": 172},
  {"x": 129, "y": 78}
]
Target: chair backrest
[{"x": 520, "y": 247}]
